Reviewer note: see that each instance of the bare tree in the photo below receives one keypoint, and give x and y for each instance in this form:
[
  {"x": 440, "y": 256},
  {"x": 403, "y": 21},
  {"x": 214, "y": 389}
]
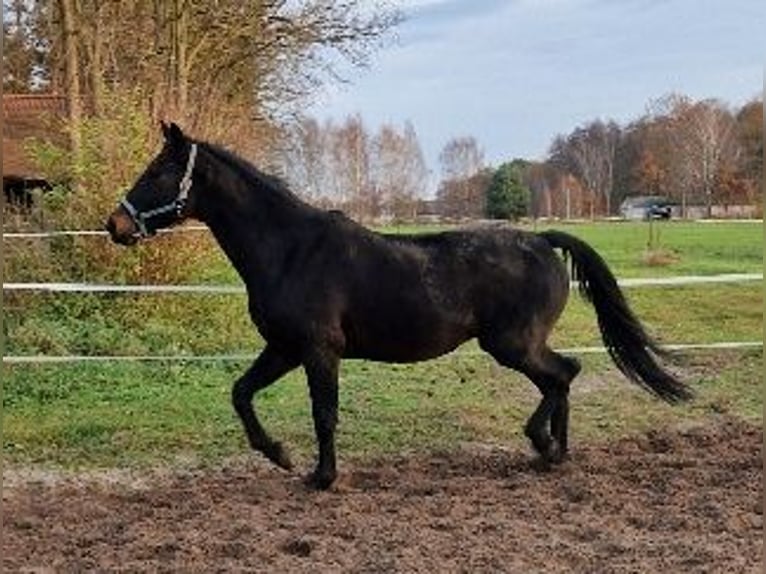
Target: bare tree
[
  {"x": 542, "y": 179},
  {"x": 399, "y": 170},
  {"x": 345, "y": 166},
  {"x": 461, "y": 158},
  {"x": 589, "y": 153},
  {"x": 202, "y": 64},
  {"x": 350, "y": 148},
  {"x": 304, "y": 158},
  {"x": 461, "y": 192},
  {"x": 702, "y": 136}
]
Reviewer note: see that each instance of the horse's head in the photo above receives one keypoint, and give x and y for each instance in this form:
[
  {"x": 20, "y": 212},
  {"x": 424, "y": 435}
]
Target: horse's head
[{"x": 160, "y": 195}]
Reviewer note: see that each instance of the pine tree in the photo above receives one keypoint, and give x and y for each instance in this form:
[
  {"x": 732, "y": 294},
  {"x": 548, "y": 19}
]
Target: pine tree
[{"x": 507, "y": 196}]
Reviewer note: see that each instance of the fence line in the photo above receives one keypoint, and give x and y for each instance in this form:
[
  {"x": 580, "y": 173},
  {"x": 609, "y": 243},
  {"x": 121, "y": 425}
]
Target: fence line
[
  {"x": 230, "y": 289},
  {"x": 90, "y": 233},
  {"x": 107, "y": 288},
  {"x": 691, "y": 279},
  {"x": 185, "y": 228},
  {"x": 240, "y": 357}
]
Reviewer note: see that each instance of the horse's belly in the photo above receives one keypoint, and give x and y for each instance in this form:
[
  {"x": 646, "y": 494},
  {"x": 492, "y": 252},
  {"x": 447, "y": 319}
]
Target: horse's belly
[
  {"x": 406, "y": 336},
  {"x": 389, "y": 353}
]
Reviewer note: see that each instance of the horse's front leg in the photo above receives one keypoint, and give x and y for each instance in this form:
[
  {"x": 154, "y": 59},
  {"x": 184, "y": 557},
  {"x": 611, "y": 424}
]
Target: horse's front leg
[
  {"x": 267, "y": 368},
  {"x": 322, "y": 373}
]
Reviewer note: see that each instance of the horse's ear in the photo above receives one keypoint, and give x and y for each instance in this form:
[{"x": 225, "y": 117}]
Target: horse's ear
[{"x": 172, "y": 133}]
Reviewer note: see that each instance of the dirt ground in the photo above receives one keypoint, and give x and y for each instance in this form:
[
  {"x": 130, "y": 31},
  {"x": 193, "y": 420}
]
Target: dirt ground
[{"x": 669, "y": 501}]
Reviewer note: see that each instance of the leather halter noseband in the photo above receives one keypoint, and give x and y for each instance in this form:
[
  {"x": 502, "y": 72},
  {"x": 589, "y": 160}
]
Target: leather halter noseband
[{"x": 140, "y": 218}]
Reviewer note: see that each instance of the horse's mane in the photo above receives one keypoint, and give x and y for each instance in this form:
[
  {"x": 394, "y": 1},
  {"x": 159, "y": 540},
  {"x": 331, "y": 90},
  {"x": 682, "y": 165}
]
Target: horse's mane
[{"x": 252, "y": 174}]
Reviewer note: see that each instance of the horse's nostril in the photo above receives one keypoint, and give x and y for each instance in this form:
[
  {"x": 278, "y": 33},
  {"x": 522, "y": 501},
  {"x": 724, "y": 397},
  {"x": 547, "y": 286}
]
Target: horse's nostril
[{"x": 110, "y": 226}]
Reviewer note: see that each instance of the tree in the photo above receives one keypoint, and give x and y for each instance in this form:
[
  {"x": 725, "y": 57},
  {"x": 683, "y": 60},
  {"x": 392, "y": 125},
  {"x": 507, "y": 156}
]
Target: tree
[
  {"x": 303, "y": 158},
  {"x": 350, "y": 149},
  {"x": 589, "y": 153},
  {"x": 203, "y": 63},
  {"x": 348, "y": 167},
  {"x": 750, "y": 137},
  {"x": 461, "y": 158},
  {"x": 399, "y": 170},
  {"x": 464, "y": 181},
  {"x": 24, "y": 51},
  {"x": 507, "y": 196},
  {"x": 69, "y": 20},
  {"x": 695, "y": 152},
  {"x": 702, "y": 138},
  {"x": 542, "y": 179}
]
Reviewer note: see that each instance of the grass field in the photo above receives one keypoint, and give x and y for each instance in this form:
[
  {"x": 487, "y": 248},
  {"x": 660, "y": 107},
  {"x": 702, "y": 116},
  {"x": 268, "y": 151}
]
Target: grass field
[{"x": 129, "y": 414}]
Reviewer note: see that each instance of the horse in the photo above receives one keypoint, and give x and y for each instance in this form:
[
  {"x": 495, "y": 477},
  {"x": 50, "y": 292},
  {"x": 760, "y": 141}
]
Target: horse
[
  {"x": 322, "y": 288},
  {"x": 19, "y": 191}
]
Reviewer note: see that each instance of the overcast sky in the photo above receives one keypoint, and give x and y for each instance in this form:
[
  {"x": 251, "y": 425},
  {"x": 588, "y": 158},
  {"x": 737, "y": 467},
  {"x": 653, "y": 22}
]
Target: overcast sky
[{"x": 515, "y": 73}]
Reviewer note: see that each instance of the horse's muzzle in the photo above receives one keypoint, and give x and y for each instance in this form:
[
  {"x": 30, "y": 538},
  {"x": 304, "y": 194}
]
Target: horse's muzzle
[{"x": 121, "y": 227}]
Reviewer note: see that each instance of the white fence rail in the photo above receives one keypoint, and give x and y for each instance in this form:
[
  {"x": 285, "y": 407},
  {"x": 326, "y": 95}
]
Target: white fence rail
[
  {"x": 228, "y": 289},
  {"x": 90, "y": 232},
  {"x": 197, "y": 228},
  {"x": 239, "y": 289},
  {"x": 241, "y": 357},
  {"x": 107, "y": 288}
]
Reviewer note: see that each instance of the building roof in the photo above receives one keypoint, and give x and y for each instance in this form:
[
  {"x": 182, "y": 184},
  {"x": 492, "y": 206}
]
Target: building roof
[{"x": 29, "y": 116}]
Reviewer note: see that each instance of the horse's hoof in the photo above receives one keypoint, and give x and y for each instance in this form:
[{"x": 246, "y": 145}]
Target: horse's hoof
[
  {"x": 277, "y": 454},
  {"x": 540, "y": 464},
  {"x": 320, "y": 480},
  {"x": 554, "y": 454},
  {"x": 550, "y": 454},
  {"x": 561, "y": 457}
]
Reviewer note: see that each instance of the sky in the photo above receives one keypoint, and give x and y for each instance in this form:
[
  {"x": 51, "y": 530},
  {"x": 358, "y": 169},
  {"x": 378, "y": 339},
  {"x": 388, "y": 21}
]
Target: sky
[{"x": 516, "y": 73}]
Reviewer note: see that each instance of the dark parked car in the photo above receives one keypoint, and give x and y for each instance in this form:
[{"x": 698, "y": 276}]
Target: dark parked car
[{"x": 647, "y": 207}]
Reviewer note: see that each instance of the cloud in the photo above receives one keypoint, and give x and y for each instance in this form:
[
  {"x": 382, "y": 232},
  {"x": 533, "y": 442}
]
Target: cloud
[{"x": 514, "y": 73}]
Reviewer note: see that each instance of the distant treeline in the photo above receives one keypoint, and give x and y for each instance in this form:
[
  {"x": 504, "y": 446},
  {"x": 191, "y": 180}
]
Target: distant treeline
[{"x": 696, "y": 153}]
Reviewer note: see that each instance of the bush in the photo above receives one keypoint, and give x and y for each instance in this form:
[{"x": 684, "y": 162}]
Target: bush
[
  {"x": 115, "y": 149},
  {"x": 507, "y": 196}
]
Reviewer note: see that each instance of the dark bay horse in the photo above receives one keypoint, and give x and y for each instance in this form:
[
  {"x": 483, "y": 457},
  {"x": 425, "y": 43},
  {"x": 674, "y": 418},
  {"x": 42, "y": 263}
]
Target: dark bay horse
[{"x": 322, "y": 288}]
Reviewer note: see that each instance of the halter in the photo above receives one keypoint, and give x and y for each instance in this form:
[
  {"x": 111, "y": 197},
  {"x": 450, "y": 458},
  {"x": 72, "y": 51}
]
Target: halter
[{"x": 140, "y": 218}]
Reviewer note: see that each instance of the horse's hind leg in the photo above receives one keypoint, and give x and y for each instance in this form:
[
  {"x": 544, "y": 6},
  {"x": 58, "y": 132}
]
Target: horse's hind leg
[
  {"x": 560, "y": 424},
  {"x": 267, "y": 368},
  {"x": 322, "y": 374},
  {"x": 570, "y": 367},
  {"x": 551, "y": 373}
]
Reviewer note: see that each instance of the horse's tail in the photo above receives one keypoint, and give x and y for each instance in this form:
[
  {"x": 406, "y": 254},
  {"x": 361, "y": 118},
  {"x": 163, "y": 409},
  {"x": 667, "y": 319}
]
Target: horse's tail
[{"x": 631, "y": 348}]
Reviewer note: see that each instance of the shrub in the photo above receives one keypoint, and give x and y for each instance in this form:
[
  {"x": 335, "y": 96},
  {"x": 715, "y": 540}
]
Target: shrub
[
  {"x": 115, "y": 149},
  {"x": 507, "y": 196}
]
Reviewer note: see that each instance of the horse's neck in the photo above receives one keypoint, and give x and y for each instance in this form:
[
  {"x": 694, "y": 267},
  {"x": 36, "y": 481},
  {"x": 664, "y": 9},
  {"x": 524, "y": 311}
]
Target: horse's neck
[{"x": 254, "y": 227}]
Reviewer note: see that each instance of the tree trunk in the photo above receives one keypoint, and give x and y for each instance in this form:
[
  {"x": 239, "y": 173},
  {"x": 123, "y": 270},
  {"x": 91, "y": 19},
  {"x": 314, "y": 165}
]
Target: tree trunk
[
  {"x": 72, "y": 76},
  {"x": 97, "y": 62},
  {"x": 182, "y": 69}
]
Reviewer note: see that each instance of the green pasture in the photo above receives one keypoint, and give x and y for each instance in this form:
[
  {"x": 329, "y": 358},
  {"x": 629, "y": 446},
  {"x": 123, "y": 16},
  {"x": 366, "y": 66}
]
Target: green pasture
[
  {"x": 140, "y": 414},
  {"x": 689, "y": 248}
]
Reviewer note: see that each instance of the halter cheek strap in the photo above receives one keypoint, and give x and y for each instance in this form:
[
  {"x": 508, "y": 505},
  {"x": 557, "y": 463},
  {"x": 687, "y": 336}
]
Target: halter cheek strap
[{"x": 140, "y": 218}]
